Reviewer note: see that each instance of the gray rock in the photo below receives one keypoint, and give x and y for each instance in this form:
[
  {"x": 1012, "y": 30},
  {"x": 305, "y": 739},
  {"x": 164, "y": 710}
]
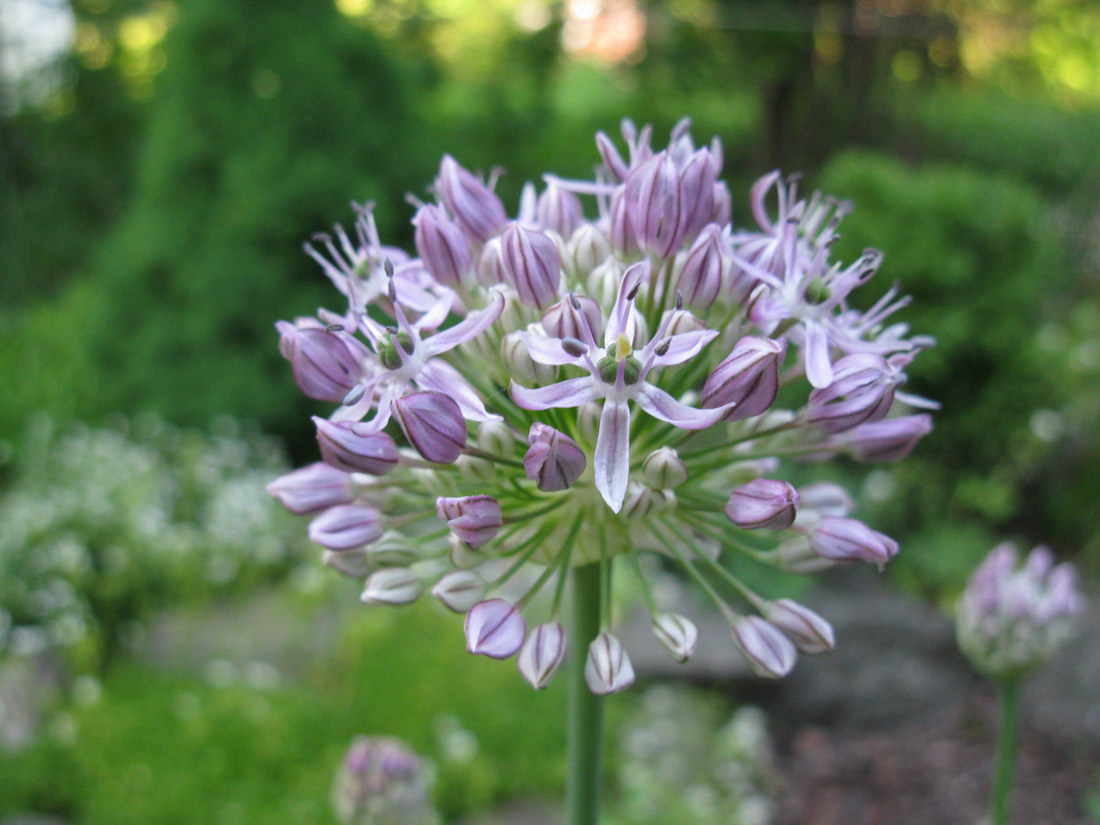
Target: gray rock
[
  {"x": 1061, "y": 699},
  {"x": 27, "y": 687}
]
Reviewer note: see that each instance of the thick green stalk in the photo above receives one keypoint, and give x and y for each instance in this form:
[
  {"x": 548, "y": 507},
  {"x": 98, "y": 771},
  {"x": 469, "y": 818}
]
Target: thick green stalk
[
  {"x": 585, "y": 708},
  {"x": 1008, "y": 723}
]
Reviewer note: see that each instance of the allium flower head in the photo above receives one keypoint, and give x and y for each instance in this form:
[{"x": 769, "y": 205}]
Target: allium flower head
[
  {"x": 1012, "y": 617},
  {"x": 382, "y": 782},
  {"x": 593, "y": 375}
]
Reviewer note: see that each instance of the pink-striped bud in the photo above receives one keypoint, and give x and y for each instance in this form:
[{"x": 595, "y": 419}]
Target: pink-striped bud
[
  {"x": 531, "y": 264},
  {"x": 763, "y": 503},
  {"x": 704, "y": 268},
  {"x": 460, "y": 590},
  {"x": 559, "y": 210},
  {"x": 723, "y": 204},
  {"x": 553, "y": 461},
  {"x": 587, "y": 249},
  {"x": 663, "y": 469},
  {"x": 433, "y": 424},
  {"x": 474, "y": 519},
  {"x": 769, "y": 653},
  {"x": 355, "y": 447},
  {"x": 654, "y": 202},
  {"x": 678, "y": 633},
  {"x": 494, "y": 628},
  {"x": 698, "y": 177},
  {"x": 607, "y": 668},
  {"x": 862, "y": 391},
  {"x": 826, "y": 499},
  {"x": 809, "y": 632},
  {"x": 575, "y": 316},
  {"x": 392, "y": 585},
  {"x": 845, "y": 539},
  {"x": 890, "y": 439},
  {"x": 620, "y": 228},
  {"x": 312, "y": 488},
  {"x": 346, "y": 526},
  {"x": 474, "y": 205},
  {"x": 326, "y": 367},
  {"x": 542, "y": 654},
  {"x": 748, "y": 378},
  {"x": 442, "y": 246}
]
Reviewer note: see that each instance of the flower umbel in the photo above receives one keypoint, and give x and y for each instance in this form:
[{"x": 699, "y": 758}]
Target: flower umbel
[{"x": 591, "y": 380}]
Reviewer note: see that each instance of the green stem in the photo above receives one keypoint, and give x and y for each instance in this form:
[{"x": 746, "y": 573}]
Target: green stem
[
  {"x": 585, "y": 707},
  {"x": 1007, "y": 725}
]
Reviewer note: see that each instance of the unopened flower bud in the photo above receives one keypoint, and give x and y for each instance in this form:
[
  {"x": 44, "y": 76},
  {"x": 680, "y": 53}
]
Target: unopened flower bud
[
  {"x": 723, "y": 204},
  {"x": 748, "y": 377},
  {"x": 862, "y": 391},
  {"x": 495, "y": 437},
  {"x": 494, "y": 628},
  {"x": 890, "y": 439},
  {"x": 575, "y": 316},
  {"x": 603, "y": 282},
  {"x": 355, "y": 447},
  {"x": 346, "y": 526},
  {"x": 461, "y": 556},
  {"x": 442, "y": 246},
  {"x": 642, "y": 501},
  {"x": 553, "y": 461},
  {"x": 663, "y": 469},
  {"x": 795, "y": 555},
  {"x": 846, "y": 539},
  {"x": 677, "y": 633},
  {"x": 475, "y": 470},
  {"x": 542, "y": 654},
  {"x": 433, "y": 424},
  {"x": 476, "y": 208},
  {"x": 809, "y": 632},
  {"x": 460, "y": 590},
  {"x": 607, "y": 668},
  {"x": 355, "y": 563},
  {"x": 698, "y": 176},
  {"x": 532, "y": 265},
  {"x": 392, "y": 585},
  {"x": 826, "y": 498},
  {"x": 521, "y": 365},
  {"x": 586, "y": 249},
  {"x": 393, "y": 549},
  {"x": 312, "y": 488},
  {"x": 769, "y": 653},
  {"x": 702, "y": 269},
  {"x": 763, "y": 503},
  {"x": 654, "y": 198},
  {"x": 326, "y": 367},
  {"x": 620, "y": 229},
  {"x": 559, "y": 210},
  {"x": 474, "y": 519},
  {"x": 490, "y": 271},
  {"x": 588, "y": 420}
]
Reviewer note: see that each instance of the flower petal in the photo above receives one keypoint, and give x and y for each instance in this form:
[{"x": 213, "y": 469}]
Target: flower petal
[
  {"x": 819, "y": 369},
  {"x": 544, "y": 350},
  {"x": 660, "y": 404},
  {"x": 570, "y": 393},
  {"x": 622, "y": 316},
  {"x": 612, "y": 459},
  {"x": 473, "y": 325},
  {"x": 683, "y": 346},
  {"x": 439, "y": 376}
]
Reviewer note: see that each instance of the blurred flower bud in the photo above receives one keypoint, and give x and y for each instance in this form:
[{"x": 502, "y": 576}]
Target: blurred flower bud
[
  {"x": 698, "y": 177},
  {"x": 392, "y": 585},
  {"x": 607, "y": 668},
  {"x": 603, "y": 282},
  {"x": 433, "y": 424},
  {"x": 382, "y": 782},
  {"x": 795, "y": 555},
  {"x": 532, "y": 265},
  {"x": 326, "y": 366},
  {"x": 763, "y": 503},
  {"x": 663, "y": 469},
  {"x": 495, "y": 437},
  {"x": 490, "y": 270},
  {"x": 346, "y": 526},
  {"x": 542, "y": 654},
  {"x": 846, "y": 539},
  {"x": 553, "y": 461},
  {"x": 587, "y": 248},
  {"x": 474, "y": 519},
  {"x": 809, "y": 632},
  {"x": 460, "y": 590},
  {"x": 642, "y": 501},
  {"x": 588, "y": 420},
  {"x": 475, "y": 470},
  {"x": 559, "y": 210},
  {"x": 862, "y": 391},
  {"x": 769, "y": 653},
  {"x": 703, "y": 268},
  {"x": 748, "y": 377},
  {"x": 678, "y": 633},
  {"x": 654, "y": 202},
  {"x": 312, "y": 488},
  {"x": 826, "y": 498},
  {"x": 442, "y": 246},
  {"x": 890, "y": 439},
  {"x": 621, "y": 230},
  {"x": 476, "y": 208},
  {"x": 723, "y": 204},
  {"x": 521, "y": 365},
  {"x": 575, "y": 316},
  {"x": 494, "y": 628},
  {"x": 355, "y": 447}
]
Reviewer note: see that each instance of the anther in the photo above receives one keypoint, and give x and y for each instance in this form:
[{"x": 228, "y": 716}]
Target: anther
[{"x": 573, "y": 347}]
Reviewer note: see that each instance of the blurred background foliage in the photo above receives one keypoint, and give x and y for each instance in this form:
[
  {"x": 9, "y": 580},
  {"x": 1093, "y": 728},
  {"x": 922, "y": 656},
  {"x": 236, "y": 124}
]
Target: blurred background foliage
[{"x": 161, "y": 162}]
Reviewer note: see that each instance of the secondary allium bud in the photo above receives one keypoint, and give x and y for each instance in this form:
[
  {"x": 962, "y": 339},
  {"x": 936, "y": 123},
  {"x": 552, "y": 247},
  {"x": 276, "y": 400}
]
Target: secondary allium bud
[
  {"x": 346, "y": 526},
  {"x": 494, "y": 437},
  {"x": 655, "y": 205},
  {"x": 312, "y": 488},
  {"x": 663, "y": 469},
  {"x": 494, "y": 628},
  {"x": 795, "y": 555},
  {"x": 355, "y": 563},
  {"x": 642, "y": 502},
  {"x": 763, "y": 503},
  {"x": 890, "y": 439},
  {"x": 588, "y": 420},
  {"x": 703, "y": 268},
  {"x": 433, "y": 424},
  {"x": 392, "y": 585},
  {"x": 748, "y": 377},
  {"x": 382, "y": 782},
  {"x": 442, "y": 246},
  {"x": 846, "y": 539},
  {"x": 607, "y": 668},
  {"x": 575, "y": 316},
  {"x": 476, "y": 208},
  {"x": 809, "y": 632},
  {"x": 586, "y": 249},
  {"x": 326, "y": 367},
  {"x": 474, "y": 519},
  {"x": 697, "y": 177},
  {"x": 677, "y": 633},
  {"x": 620, "y": 228},
  {"x": 460, "y": 590},
  {"x": 826, "y": 499},
  {"x": 559, "y": 210},
  {"x": 521, "y": 366},
  {"x": 542, "y": 654},
  {"x": 723, "y": 204},
  {"x": 769, "y": 653},
  {"x": 355, "y": 447},
  {"x": 862, "y": 391},
  {"x": 532, "y": 265},
  {"x": 553, "y": 461}
]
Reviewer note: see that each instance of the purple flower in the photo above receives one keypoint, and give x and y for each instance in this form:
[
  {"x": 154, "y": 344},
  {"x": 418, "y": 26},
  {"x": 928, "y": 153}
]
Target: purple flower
[
  {"x": 763, "y": 503},
  {"x": 326, "y": 365},
  {"x": 346, "y": 526},
  {"x": 845, "y": 539},
  {"x": 809, "y": 632},
  {"x": 559, "y": 210},
  {"x": 748, "y": 378},
  {"x": 890, "y": 439},
  {"x": 862, "y": 391},
  {"x": 433, "y": 423},
  {"x": 474, "y": 519},
  {"x": 442, "y": 246},
  {"x": 356, "y": 448},
  {"x": 495, "y": 628},
  {"x": 704, "y": 267},
  {"x": 553, "y": 461},
  {"x": 311, "y": 488},
  {"x": 542, "y": 654},
  {"x": 769, "y": 653},
  {"x": 531, "y": 264},
  {"x": 478, "y": 211}
]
